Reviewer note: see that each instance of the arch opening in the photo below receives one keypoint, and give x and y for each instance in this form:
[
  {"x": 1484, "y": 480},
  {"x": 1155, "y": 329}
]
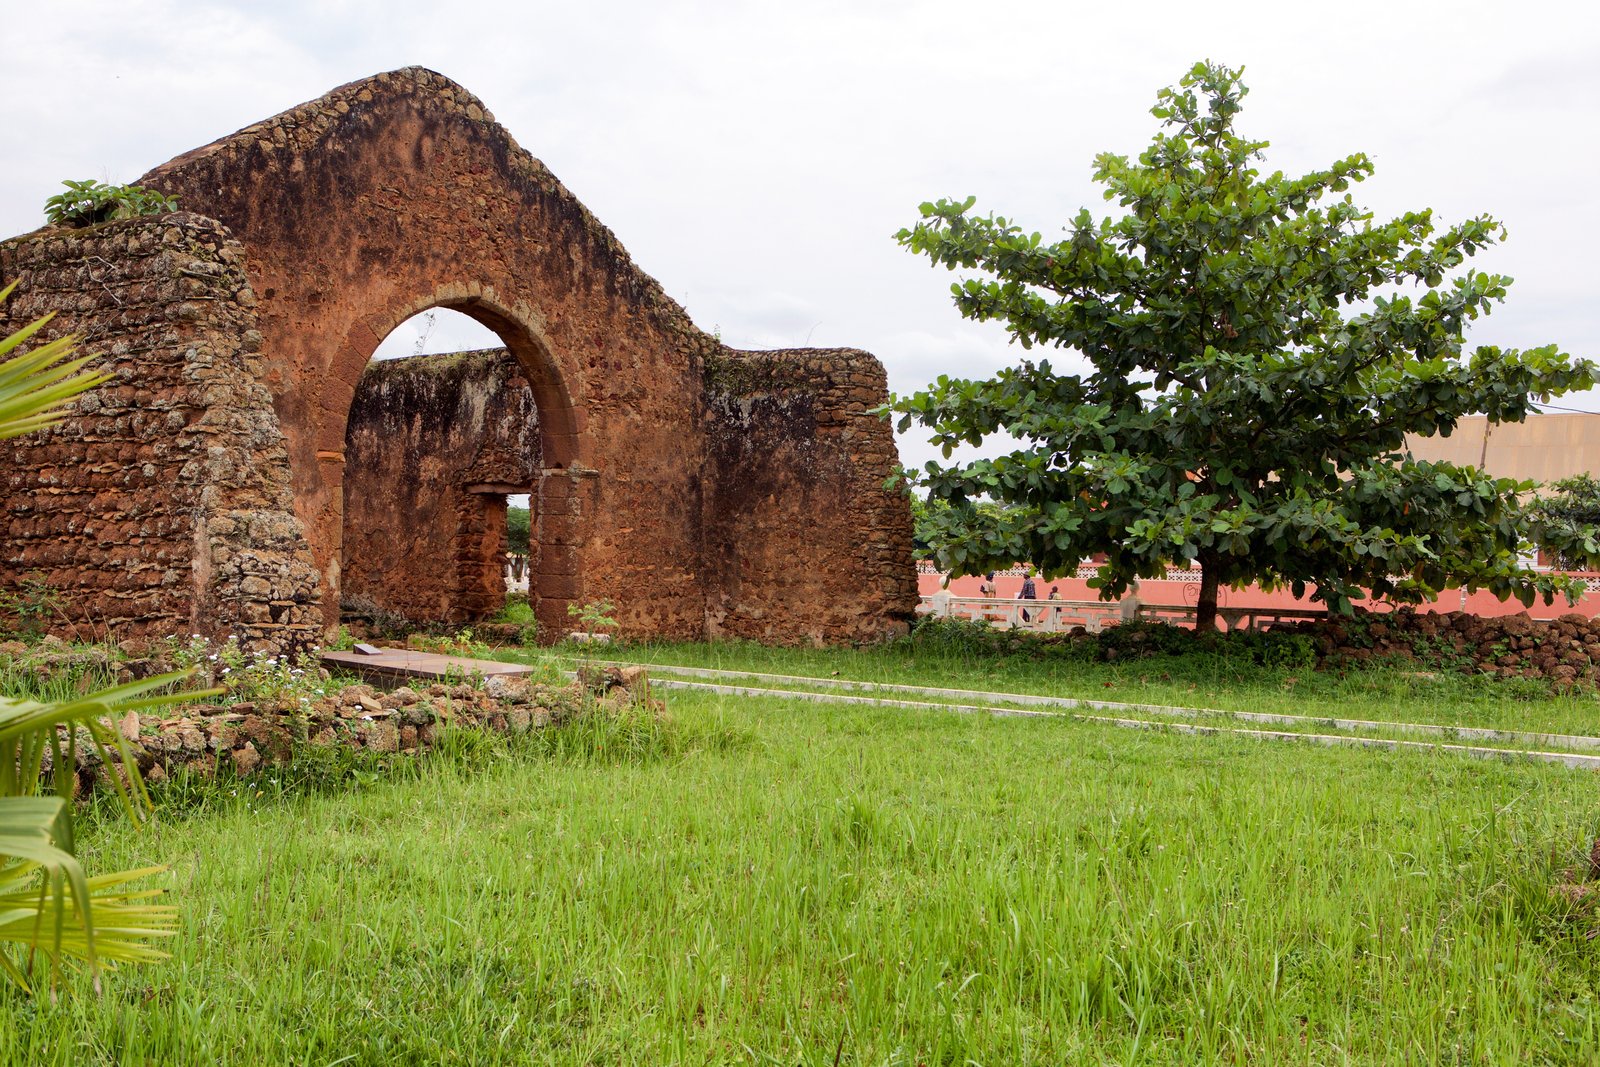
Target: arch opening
[
  {"x": 437, "y": 331},
  {"x": 458, "y": 415}
]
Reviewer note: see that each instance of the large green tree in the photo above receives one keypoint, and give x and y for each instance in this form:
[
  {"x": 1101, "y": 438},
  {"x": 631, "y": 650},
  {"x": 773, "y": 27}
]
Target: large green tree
[
  {"x": 932, "y": 520},
  {"x": 1257, "y": 348},
  {"x": 1569, "y": 518}
]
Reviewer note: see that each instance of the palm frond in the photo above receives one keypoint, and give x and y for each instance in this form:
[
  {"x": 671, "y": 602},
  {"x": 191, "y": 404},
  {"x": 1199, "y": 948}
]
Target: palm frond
[
  {"x": 47, "y": 904},
  {"x": 28, "y": 729},
  {"x": 36, "y": 386}
]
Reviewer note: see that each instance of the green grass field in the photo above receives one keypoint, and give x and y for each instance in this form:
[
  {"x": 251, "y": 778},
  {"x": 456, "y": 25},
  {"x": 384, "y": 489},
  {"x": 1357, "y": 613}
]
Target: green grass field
[{"x": 795, "y": 883}]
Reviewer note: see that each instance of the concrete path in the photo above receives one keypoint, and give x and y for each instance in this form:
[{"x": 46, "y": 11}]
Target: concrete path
[{"x": 840, "y": 691}]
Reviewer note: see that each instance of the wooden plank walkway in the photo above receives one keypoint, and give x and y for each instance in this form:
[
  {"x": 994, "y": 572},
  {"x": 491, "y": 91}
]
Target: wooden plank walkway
[{"x": 394, "y": 666}]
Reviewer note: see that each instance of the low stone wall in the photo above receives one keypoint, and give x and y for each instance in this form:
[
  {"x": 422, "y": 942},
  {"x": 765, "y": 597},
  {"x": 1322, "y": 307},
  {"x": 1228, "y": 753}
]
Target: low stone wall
[
  {"x": 162, "y": 505},
  {"x": 246, "y": 737},
  {"x": 1561, "y": 653},
  {"x": 1564, "y": 651},
  {"x": 803, "y": 541}
]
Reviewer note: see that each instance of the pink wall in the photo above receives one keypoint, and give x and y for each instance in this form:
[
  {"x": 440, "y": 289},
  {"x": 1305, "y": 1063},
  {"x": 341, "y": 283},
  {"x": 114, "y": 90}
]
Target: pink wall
[{"x": 1169, "y": 592}]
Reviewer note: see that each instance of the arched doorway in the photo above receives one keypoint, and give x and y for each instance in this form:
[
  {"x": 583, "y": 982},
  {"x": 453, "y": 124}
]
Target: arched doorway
[{"x": 459, "y": 413}]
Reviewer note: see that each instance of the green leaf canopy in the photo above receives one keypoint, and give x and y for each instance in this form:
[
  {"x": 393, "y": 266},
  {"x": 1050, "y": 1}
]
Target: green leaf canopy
[{"x": 1259, "y": 348}]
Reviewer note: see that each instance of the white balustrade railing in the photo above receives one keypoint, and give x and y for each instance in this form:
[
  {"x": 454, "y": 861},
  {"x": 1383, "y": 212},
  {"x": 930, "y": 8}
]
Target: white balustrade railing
[
  {"x": 1049, "y": 616},
  {"x": 1056, "y": 616},
  {"x": 1231, "y": 618},
  {"x": 1085, "y": 570}
]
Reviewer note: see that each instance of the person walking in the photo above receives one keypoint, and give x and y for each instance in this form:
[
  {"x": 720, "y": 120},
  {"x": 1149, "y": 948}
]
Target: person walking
[{"x": 1029, "y": 592}]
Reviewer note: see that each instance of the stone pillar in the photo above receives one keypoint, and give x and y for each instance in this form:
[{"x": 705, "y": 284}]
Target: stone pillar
[
  {"x": 324, "y": 526},
  {"x": 481, "y": 557},
  {"x": 564, "y": 502}
]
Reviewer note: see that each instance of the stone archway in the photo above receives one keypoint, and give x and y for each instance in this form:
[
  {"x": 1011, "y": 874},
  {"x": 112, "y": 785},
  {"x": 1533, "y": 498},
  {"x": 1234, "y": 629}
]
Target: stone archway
[
  {"x": 704, "y": 491},
  {"x": 448, "y": 438},
  {"x": 401, "y": 193}
]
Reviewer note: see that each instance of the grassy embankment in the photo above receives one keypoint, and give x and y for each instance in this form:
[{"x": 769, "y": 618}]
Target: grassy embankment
[{"x": 786, "y": 882}]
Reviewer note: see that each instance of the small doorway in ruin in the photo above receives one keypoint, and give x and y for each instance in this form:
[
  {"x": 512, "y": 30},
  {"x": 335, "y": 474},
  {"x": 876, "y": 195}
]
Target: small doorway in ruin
[{"x": 442, "y": 440}]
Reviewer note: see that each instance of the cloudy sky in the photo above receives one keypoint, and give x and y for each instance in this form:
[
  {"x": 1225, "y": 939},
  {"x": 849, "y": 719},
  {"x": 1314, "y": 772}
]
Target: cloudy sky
[{"x": 756, "y": 157}]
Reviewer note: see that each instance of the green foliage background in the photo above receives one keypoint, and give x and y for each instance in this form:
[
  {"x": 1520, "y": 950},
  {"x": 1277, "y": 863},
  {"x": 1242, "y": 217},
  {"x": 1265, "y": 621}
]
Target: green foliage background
[{"x": 518, "y": 529}]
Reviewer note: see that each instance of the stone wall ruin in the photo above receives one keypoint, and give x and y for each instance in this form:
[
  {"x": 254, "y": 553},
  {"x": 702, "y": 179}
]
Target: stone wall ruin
[
  {"x": 704, "y": 491},
  {"x": 794, "y": 450},
  {"x": 163, "y": 506}
]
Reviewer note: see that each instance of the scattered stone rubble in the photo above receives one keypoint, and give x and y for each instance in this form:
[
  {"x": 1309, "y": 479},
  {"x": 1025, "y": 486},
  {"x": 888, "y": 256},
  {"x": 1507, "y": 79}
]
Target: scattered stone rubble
[
  {"x": 1564, "y": 651},
  {"x": 242, "y": 737}
]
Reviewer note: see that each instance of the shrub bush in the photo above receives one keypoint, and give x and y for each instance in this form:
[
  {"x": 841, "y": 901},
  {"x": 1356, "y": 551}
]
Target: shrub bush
[{"x": 88, "y": 202}]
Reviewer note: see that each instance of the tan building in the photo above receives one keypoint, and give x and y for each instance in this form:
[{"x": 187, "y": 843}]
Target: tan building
[{"x": 1544, "y": 448}]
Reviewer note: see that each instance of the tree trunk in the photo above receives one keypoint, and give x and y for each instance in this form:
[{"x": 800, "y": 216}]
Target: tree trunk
[{"x": 1205, "y": 609}]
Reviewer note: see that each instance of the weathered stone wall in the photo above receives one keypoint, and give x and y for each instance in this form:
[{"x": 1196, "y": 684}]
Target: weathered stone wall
[
  {"x": 162, "y": 505},
  {"x": 803, "y": 542},
  {"x": 401, "y": 193},
  {"x": 704, "y": 492},
  {"x": 434, "y": 445}
]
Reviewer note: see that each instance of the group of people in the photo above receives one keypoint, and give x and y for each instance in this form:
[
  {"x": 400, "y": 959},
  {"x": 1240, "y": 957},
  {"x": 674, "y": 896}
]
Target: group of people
[{"x": 1030, "y": 591}]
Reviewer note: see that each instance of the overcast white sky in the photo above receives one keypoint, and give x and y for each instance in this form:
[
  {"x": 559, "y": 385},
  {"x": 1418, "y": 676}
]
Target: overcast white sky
[{"x": 756, "y": 157}]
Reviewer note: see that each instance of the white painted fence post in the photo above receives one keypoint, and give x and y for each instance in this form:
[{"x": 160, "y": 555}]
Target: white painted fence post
[{"x": 1130, "y": 604}]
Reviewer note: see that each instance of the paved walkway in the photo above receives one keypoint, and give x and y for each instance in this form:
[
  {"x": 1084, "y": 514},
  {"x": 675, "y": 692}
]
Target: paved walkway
[{"x": 1571, "y": 750}]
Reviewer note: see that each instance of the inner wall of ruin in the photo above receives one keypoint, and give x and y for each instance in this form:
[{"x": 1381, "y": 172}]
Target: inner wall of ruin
[
  {"x": 162, "y": 506},
  {"x": 803, "y": 541},
  {"x": 215, "y": 487},
  {"x": 434, "y": 446}
]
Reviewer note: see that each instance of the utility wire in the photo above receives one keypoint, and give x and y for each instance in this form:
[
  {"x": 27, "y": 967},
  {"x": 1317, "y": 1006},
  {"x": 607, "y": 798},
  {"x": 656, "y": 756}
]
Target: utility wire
[{"x": 1558, "y": 407}]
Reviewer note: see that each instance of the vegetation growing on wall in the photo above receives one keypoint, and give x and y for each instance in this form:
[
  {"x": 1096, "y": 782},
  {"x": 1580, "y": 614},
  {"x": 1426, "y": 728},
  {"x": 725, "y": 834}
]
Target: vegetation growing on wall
[{"x": 88, "y": 202}]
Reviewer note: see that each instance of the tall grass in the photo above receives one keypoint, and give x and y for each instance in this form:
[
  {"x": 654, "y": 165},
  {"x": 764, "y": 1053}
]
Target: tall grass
[
  {"x": 22, "y": 678},
  {"x": 858, "y": 885}
]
